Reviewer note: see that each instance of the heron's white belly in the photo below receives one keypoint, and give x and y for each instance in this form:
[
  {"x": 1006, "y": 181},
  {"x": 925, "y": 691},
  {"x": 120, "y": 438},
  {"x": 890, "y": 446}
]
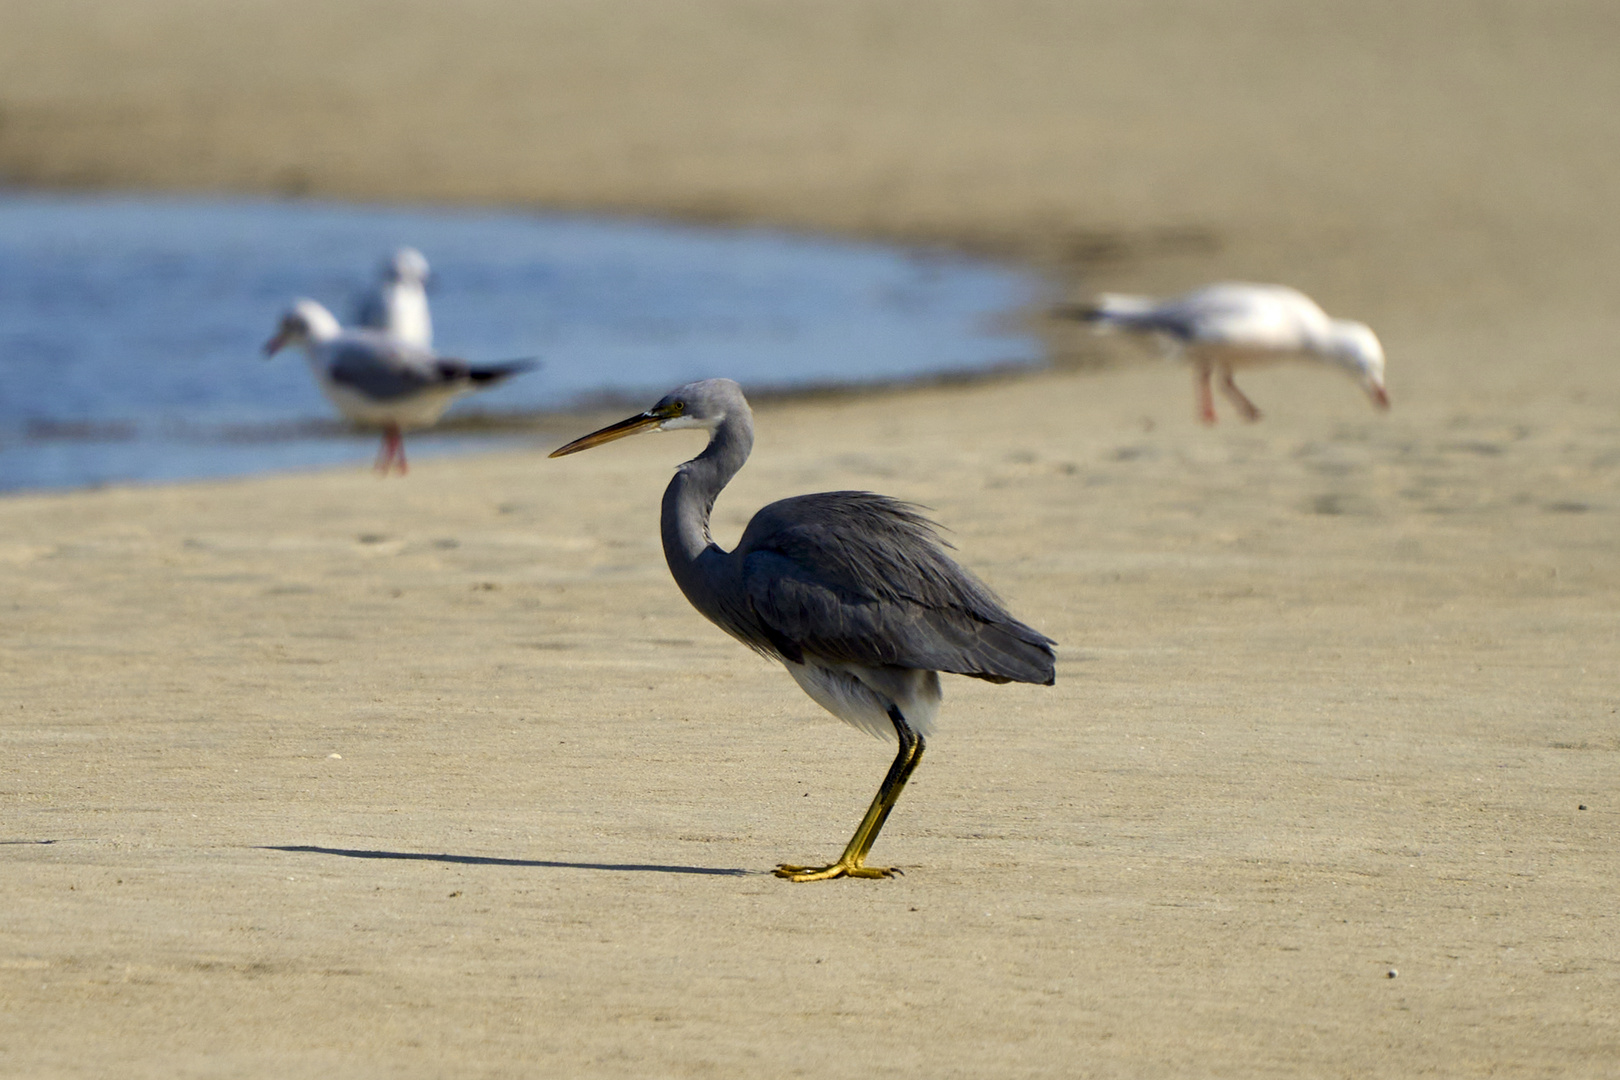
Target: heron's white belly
[
  {"x": 418, "y": 410},
  {"x": 861, "y": 696}
]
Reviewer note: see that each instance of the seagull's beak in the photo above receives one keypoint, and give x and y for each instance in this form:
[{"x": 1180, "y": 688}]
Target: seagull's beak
[
  {"x": 275, "y": 344},
  {"x": 1380, "y": 398},
  {"x": 635, "y": 425}
]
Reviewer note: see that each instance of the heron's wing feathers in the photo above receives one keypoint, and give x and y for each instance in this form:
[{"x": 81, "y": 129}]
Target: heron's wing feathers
[{"x": 860, "y": 578}]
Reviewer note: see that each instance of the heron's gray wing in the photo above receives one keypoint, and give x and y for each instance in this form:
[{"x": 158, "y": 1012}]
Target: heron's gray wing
[
  {"x": 381, "y": 370},
  {"x": 860, "y": 578}
]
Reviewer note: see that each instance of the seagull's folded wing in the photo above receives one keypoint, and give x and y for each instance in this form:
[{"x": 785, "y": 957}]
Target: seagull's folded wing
[{"x": 380, "y": 371}]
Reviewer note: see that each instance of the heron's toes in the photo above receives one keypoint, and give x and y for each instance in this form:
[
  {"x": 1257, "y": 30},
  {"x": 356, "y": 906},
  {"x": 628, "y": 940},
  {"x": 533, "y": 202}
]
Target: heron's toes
[
  {"x": 836, "y": 870},
  {"x": 790, "y": 872}
]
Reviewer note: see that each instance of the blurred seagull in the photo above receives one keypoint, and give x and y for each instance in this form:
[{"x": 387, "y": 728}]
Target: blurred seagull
[
  {"x": 378, "y": 380},
  {"x": 853, "y": 592},
  {"x": 399, "y": 304},
  {"x": 1223, "y": 327}
]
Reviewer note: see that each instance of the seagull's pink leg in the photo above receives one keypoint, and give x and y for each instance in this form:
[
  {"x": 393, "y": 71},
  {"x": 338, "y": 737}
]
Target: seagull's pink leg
[
  {"x": 1237, "y": 397},
  {"x": 1206, "y": 400},
  {"x": 393, "y": 450}
]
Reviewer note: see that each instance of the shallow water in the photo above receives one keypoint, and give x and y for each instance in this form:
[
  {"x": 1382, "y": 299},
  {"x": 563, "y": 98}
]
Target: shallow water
[{"x": 130, "y": 328}]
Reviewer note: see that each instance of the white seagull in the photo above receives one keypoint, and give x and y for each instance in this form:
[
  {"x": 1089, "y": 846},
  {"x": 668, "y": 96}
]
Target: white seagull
[
  {"x": 399, "y": 304},
  {"x": 1223, "y": 327},
  {"x": 378, "y": 380}
]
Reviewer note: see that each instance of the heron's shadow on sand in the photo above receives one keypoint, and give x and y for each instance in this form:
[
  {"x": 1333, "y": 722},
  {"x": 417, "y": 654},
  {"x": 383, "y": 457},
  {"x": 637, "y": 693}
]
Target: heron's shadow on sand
[{"x": 486, "y": 860}]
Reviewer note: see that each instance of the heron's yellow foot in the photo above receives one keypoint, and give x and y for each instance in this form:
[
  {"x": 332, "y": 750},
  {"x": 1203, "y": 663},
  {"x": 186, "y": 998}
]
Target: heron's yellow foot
[{"x": 836, "y": 870}]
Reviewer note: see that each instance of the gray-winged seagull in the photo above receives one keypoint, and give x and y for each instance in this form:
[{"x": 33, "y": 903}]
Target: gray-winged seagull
[{"x": 378, "y": 380}]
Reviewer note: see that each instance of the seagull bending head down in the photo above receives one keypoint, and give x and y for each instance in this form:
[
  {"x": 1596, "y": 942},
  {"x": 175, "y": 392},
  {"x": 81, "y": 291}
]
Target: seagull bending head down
[{"x": 1220, "y": 328}]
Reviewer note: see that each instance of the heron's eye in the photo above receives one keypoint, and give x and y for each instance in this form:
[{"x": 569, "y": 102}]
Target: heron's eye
[{"x": 678, "y": 408}]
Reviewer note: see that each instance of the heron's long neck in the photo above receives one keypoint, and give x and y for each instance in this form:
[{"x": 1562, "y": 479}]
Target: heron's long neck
[{"x": 691, "y": 494}]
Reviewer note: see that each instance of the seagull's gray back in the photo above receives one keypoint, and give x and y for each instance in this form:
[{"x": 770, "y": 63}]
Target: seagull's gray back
[
  {"x": 1235, "y": 312},
  {"x": 380, "y": 368}
]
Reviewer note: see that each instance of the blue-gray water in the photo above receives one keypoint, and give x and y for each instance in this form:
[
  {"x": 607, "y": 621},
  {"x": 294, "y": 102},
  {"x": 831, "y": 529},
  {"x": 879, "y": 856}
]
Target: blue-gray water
[{"x": 130, "y": 328}]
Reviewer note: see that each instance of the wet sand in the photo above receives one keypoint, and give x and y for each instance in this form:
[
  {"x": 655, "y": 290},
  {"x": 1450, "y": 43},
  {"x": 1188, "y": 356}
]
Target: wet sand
[{"x": 318, "y": 774}]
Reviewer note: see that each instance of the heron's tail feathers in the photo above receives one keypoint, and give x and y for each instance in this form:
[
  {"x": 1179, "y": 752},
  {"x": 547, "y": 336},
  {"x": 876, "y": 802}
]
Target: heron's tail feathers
[{"x": 1012, "y": 652}]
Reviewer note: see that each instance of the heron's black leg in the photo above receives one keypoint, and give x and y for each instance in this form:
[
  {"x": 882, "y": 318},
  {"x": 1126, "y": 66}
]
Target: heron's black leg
[
  {"x": 911, "y": 752},
  {"x": 852, "y": 863}
]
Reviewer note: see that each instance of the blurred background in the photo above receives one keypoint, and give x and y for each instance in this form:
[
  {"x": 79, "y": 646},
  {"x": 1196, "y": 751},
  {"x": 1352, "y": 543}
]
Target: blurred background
[{"x": 1441, "y": 170}]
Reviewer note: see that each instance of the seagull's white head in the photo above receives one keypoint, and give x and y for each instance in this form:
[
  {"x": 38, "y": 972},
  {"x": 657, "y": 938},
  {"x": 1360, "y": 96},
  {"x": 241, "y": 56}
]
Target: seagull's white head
[
  {"x": 303, "y": 324},
  {"x": 1354, "y": 347},
  {"x": 406, "y": 265}
]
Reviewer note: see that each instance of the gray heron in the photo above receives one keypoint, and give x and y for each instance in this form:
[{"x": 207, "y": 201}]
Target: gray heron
[
  {"x": 398, "y": 304},
  {"x": 852, "y": 592},
  {"x": 1219, "y": 328},
  {"x": 376, "y": 380}
]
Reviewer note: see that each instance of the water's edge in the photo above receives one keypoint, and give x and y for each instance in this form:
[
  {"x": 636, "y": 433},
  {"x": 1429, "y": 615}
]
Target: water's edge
[{"x": 124, "y": 322}]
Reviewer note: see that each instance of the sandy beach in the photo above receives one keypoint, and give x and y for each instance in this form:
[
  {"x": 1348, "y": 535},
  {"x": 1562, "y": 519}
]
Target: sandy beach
[{"x": 317, "y": 775}]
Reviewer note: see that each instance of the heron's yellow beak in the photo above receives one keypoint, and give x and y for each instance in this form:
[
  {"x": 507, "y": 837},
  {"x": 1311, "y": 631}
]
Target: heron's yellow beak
[{"x": 647, "y": 421}]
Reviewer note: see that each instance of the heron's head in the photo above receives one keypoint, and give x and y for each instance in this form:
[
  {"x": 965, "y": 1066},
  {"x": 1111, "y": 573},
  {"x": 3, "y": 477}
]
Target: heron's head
[
  {"x": 406, "y": 264},
  {"x": 704, "y": 404},
  {"x": 1354, "y": 347},
  {"x": 304, "y": 323}
]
